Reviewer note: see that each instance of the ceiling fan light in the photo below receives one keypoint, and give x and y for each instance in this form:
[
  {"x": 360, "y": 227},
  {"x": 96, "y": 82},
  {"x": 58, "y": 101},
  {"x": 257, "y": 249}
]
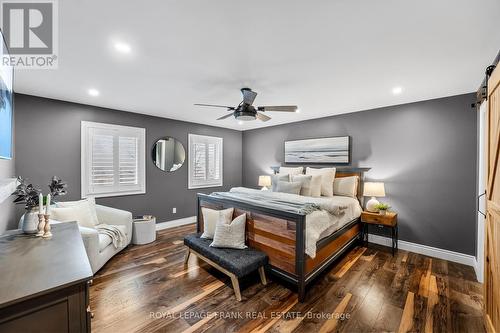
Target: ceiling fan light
[{"x": 244, "y": 115}]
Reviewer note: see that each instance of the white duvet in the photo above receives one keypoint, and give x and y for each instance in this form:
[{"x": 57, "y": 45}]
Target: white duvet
[
  {"x": 320, "y": 223},
  {"x": 333, "y": 214}
]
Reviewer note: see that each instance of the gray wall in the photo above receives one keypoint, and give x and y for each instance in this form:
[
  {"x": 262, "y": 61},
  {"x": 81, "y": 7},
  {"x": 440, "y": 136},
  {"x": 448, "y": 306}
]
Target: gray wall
[
  {"x": 48, "y": 144},
  {"x": 424, "y": 152}
]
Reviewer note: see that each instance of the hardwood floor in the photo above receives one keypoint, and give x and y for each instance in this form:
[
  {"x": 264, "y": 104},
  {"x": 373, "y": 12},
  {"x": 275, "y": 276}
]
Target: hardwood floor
[{"x": 147, "y": 289}]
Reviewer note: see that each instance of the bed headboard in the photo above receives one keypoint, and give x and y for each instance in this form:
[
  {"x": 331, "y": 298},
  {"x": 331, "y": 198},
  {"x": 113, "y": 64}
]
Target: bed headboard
[{"x": 344, "y": 172}]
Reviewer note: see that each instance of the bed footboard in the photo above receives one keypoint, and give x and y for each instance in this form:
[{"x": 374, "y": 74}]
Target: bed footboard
[{"x": 281, "y": 235}]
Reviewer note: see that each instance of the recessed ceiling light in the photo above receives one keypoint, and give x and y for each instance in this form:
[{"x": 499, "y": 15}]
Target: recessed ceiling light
[
  {"x": 297, "y": 110},
  {"x": 240, "y": 122},
  {"x": 122, "y": 47},
  {"x": 397, "y": 90},
  {"x": 93, "y": 92}
]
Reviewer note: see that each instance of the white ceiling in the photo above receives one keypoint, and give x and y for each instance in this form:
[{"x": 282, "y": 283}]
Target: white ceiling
[{"x": 328, "y": 57}]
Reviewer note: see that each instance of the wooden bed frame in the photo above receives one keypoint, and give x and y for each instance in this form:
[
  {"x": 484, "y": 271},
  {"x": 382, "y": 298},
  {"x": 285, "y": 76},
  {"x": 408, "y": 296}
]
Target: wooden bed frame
[{"x": 281, "y": 235}]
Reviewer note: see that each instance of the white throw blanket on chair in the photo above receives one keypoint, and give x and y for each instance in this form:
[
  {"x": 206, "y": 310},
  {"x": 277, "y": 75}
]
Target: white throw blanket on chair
[{"x": 117, "y": 236}]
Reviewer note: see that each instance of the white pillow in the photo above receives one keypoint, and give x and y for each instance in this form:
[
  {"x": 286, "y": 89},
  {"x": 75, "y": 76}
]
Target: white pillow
[
  {"x": 79, "y": 213},
  {"x": 292, "y": 171},
  {"x": 316, "y": 186},
  {"x": 90, "y": 201},
  {"x": 211, "y": 217},
  {"x": 327, "y": 177},
  {"x": 346, "y": 186},
  {"x": 231, "y": 235}
]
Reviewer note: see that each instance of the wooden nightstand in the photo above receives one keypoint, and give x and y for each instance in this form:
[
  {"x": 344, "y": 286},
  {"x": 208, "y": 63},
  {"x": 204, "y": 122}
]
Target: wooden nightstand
[{"x": 389, "y": 220}]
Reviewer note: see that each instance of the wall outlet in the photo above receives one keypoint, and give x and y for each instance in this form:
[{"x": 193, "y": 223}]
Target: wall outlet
[{"x": 174, "y": 210}]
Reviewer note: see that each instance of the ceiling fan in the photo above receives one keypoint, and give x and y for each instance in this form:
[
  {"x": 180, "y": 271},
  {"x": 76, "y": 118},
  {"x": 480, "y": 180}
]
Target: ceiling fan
[{"x": 246, "y": 111}]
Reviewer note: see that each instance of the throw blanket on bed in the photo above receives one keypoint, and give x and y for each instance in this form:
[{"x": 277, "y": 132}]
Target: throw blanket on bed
[
  {"x": 324, "y": 215},
  {"x": 117, "y": 236},
  {"x": 291, "y": 203}
]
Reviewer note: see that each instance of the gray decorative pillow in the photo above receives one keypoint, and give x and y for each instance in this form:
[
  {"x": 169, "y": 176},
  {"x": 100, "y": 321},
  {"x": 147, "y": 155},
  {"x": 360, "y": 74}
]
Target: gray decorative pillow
[
  {"x": 305, "y": 181},
  {"x": 289, "y": 187},
  {"x": 279, "y": 177},
  {"x": 231, "y": 235},
  {"x": 211, "y": 217}
]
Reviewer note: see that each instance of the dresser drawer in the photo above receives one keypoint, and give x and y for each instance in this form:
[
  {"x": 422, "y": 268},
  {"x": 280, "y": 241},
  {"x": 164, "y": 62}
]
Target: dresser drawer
[{"x": 388, "y": 220}]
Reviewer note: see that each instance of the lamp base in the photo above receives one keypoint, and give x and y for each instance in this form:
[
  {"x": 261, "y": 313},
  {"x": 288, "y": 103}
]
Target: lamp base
[{"x": 371, "y": 205}]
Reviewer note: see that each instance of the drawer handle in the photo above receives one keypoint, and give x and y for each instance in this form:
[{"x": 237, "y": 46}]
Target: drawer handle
[{"x": 91, "y": 313}]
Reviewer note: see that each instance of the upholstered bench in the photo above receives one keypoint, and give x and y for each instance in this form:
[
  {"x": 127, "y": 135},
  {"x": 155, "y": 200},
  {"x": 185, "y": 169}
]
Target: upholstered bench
[{"x": 232, "y": 262}]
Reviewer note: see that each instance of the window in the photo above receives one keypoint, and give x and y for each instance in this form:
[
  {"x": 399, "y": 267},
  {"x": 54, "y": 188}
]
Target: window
[
  {"x": 113, "y": 160},
  {"x": 205, "y": 161}
]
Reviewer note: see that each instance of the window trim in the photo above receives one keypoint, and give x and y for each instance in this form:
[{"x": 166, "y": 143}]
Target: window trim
[
  {"x": 84, "y": 153},
  {"x": 220, "y": 141}
]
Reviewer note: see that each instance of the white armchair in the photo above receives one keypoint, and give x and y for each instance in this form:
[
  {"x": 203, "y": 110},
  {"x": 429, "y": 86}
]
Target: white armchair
[{"x": 100, "y": 247}]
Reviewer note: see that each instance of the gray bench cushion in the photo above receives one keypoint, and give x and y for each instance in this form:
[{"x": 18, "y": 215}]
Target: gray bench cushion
[{"x": 238, "y": 262}]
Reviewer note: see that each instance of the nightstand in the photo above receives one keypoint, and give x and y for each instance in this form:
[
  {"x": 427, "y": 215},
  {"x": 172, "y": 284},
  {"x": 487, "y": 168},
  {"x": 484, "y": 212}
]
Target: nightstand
[{"x": 389, "y": 220}]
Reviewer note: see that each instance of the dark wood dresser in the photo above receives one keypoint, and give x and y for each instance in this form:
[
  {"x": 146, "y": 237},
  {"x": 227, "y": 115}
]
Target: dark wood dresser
[{"x": 44, "y": 282}]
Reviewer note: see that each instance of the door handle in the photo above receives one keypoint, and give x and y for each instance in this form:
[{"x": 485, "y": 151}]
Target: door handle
[{"x": 479, "y": 197}]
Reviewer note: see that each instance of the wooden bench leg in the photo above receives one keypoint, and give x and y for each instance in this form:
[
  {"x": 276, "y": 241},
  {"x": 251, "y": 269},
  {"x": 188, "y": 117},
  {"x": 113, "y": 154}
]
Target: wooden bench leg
[
  {"x": 262, "y": 274},
  {"x": 236, "y": 287},
  {"x": 186, "y": 259}
]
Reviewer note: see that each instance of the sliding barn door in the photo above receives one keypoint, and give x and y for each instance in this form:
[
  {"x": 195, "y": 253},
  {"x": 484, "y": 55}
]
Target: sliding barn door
[{"x": 492, "y": 239}]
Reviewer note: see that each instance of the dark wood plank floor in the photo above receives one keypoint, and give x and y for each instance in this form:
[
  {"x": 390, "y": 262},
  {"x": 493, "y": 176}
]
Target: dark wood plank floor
[{"x": 147, "y": 289}]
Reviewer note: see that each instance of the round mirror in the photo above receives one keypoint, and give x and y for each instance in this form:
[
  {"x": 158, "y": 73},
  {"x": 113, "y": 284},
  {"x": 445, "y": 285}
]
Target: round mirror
[{"x": 168, "y": 154}]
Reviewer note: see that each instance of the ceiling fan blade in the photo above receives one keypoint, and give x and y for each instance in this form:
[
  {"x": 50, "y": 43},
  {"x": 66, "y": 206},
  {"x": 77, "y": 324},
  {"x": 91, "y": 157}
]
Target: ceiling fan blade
[
  {"x": 262, "y": 117},
  {"x": 216, "y": 106},
  {"x": 226, "y": 116},
  {"x": 280, "y": 108},
  {"x": 248, "y": 96}
]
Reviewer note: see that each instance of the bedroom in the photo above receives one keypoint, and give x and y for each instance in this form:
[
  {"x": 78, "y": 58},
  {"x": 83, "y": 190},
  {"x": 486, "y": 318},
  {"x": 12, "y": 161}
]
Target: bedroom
[{"x": 355, "y": 158}]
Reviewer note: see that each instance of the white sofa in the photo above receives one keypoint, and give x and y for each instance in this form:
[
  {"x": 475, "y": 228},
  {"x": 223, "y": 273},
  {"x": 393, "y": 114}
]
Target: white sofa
[{"x": 100, "y": 247}]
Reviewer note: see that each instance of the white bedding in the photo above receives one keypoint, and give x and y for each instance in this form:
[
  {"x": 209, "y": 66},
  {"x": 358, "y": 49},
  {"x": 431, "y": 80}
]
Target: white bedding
[
  {"x": 320, "y": 223},
  {"x": 333, "y": 214}
]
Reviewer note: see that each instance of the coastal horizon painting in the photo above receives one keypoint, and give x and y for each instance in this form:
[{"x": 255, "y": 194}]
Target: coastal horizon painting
[{"x": 333, "y": 150}]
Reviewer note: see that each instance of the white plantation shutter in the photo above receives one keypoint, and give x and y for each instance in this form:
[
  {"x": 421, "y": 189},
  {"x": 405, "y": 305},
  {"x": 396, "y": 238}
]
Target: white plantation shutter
[
  {"x": 128, "y": 163},
  {"x": 113, "y": 160},
  {"x": 200, "y": 161},
  {"x": 205, "y": 161},
  {"x": 102, "y": 165}
]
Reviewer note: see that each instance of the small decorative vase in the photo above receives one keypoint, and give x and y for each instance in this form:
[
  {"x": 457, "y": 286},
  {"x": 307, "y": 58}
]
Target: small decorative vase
[
  {"x": 29, "y": 222},
  {"x": 382, "y": 211}
]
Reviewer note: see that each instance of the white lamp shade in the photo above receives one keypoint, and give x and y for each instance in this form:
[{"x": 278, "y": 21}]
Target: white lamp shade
[
  {"x": 265, "y": 181},
  {"x": 374, "y": 190}
]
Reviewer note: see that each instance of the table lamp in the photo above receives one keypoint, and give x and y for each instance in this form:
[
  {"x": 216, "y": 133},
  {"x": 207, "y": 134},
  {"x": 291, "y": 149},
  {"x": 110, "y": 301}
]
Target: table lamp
[
  {"x": 373, "y": 190},
  {"x": 265, "y": 182}
]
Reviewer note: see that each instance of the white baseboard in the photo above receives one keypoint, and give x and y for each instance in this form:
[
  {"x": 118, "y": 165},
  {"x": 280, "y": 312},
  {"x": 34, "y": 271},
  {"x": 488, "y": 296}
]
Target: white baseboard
[
  {"x": 175, "y": 223},
  {"x": 479, "y": 271},
  {"x": 426, "y": 250},
  {"x": 385, "y": 241}
]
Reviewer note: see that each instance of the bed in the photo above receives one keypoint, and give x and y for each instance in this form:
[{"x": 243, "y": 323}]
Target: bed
[{"x": 282, "y": 234}]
